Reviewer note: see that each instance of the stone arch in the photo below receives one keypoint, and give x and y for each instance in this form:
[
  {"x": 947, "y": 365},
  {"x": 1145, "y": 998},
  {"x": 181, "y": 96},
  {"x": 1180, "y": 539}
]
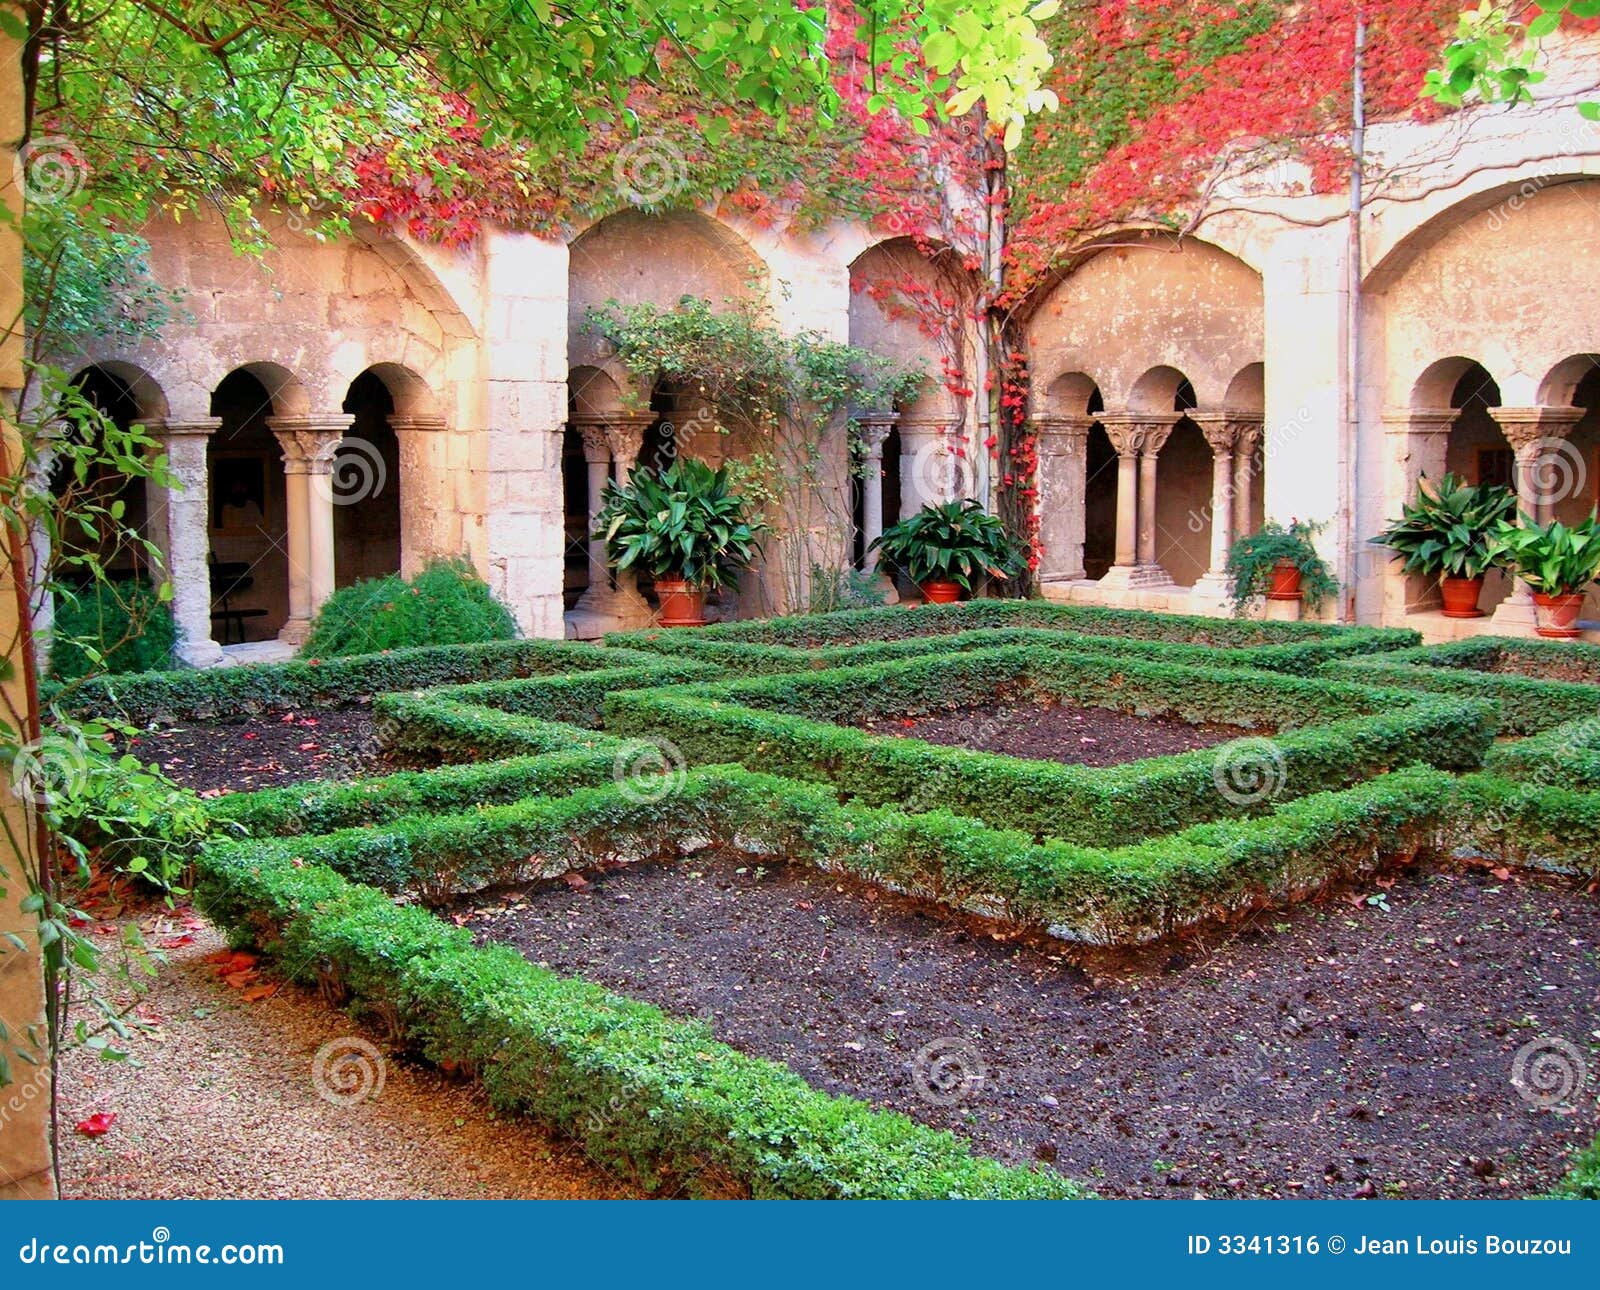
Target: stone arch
[
  {"x": 1247, "y": 391},
  {"x": 374, "y": 484},
  {"x": 1126, "y": 307},
  {"x": 127, "y": 396},
  {"x": 1071, "y": 393}
]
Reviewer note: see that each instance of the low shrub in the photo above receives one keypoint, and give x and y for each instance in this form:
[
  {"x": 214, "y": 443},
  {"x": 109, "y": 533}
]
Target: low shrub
[
  {"x": 1527, "y": 822},
  {"x": 1566, "y": 755},
  {"x": 1346, "y": 733},
  {"x": 1538, "y": 684},
  {"x": 649, "y": 1098},
  {"x": 1106, "y": 896},
  {"x": 339, "y": 682},
  {"x": 446, "y": 604},
  {"x": 110, "y": 628},
  {"x": 898, "y": 622},
  {"x": 1583, "y": 1178}
]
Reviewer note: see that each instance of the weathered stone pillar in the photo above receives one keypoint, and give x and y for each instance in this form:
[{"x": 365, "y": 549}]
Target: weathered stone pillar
[
  {"x": 597, "y": 461},
  {"x": 1536, "y": 435},
  {"x": 419, "y": 436},
  {"x": 1247, "y": 439},
  {"x": 1126, "y": 433},
  {"x": 875, "y": 429},
  {"x": 1156, "y": 433},
  {"x": 1416, "y": 440},
  {"x": 180, "y": 524},
  {"x": 1222, "y": 435},
  {"x": 1063, "y": 447},
  {"x": 308, "y": 445}
]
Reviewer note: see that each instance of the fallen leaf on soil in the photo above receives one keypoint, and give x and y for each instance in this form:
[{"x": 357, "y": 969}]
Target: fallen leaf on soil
[
  {"x": 174, "y": 942},
  {"x": 1503, "y": 874},
  {"x": 256, "y": 993},
  {"x": 97, "y": 1125},
  {"x": 575, "y": 880}
]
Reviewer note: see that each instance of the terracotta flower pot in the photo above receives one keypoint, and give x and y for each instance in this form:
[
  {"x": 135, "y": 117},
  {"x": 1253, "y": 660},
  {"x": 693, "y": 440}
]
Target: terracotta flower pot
[
  {"x": 940, "y": 593},
  {"x": 682, "y": 604},
  {"x": 1461, "y": 597},
  {"x": 1558, "y": 615},
  {"x": 1285, "y": 581}
]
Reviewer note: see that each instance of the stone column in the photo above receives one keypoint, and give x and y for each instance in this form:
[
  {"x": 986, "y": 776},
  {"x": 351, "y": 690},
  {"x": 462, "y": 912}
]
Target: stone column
[
  {"x": 624, "y": 433},
  {"x": 1222, "y": 434},
  {"x": 309, "y": 445},
  {"x": 925, "y": 464},
  {"x": 1156, "y": 433},
  {"x": 180, "y": 526},
  {"x": 875, "y": 429},
  {"x": 597, "y": 461},
  {"x": 1416, "y": 440},
  {"x": 1127, "y": 437},
  {"x": 420, "y": 436},
  {"x": 1247, "y": 439},
  {"x": 1537, "y": 435},
  {"x": 1063, "y": 448}
]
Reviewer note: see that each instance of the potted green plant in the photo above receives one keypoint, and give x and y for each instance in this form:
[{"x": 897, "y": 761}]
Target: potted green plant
[
  {"x": 1558, "y": 561},
  {"x": 1444, "y": 535},
  {"x": 686, "y": 527},
  {"x": 1281, "y": 564},
  {"x": 947, "y": 547}
]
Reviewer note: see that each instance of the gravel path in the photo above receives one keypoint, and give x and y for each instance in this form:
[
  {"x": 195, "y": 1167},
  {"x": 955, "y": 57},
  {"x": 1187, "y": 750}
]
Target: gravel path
[{"x": 223, "y": 1103}]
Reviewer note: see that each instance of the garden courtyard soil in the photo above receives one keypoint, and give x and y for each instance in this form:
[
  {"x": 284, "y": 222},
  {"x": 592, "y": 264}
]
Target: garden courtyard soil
[{"x": 1356, "y": 1047}]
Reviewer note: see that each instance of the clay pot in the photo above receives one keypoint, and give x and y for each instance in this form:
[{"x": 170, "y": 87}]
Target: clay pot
[
  {"x": 940, "y": 593},
  {"x": 682, "y": 603},
  {"x": 1461, "y": 597},
  {"x": 1285, "y": 581},
  {"x": 1558, "y": 615}
]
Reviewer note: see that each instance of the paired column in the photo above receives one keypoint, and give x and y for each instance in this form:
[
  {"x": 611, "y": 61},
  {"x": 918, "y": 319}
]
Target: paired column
[
  {"x": 421, "y": 438},
  {"x": 875, "y": 429},
  {"x": 1138, "y": 439},
  {"x": 309, "y": 445},
  {"x": 611, "y": 445},
  {"x": 181, "y": 528},
  {"x": 1538, "y": 437},
  {"x": 1232, "y": 439},
  {"x": 1063, "y": 450},
  {"x": 1246, "y": 443}
]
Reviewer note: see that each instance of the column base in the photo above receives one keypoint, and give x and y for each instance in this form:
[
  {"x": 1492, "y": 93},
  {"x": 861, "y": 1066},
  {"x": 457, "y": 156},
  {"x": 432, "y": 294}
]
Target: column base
[
  {"x": 1515, "y": 615},
  {"x": 1212, "y": 595},
  {"x": 198, "y": 654},
  {"x": 295, "y": 631},
  {"x": 1137, "y": 577}
]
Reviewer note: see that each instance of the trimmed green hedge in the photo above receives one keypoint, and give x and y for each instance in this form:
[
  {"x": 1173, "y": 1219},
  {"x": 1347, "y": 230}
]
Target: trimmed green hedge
[
  {"x": 1528, "y": 703},
  {"x": 324, "y": 807},
  {"x": 336, "y": 682},
  {"x": 857, "y": 626},
  {"x": 1522, "y": 822},
  {"x": 1583, "y": 1179},
  {"x": 576, "y": 697},
  {"x": 1349, "y": 733},
  {"x": 1568, "y": 755},
  {"x": 1104, "y": 896},
  {"x": 651, "y": 1098},
  {"x": 739, "y": 657}
]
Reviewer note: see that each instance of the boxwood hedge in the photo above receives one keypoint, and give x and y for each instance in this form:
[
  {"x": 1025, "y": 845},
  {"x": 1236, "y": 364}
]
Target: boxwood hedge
[
  {"x": 1327, "y": 736},
  {"x": 650, "y": 1098},
  {"x": 337, "y": 682}
]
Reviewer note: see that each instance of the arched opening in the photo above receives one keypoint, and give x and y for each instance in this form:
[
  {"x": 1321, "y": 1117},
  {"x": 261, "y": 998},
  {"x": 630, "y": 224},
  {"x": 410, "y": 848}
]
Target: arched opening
[
  {"x": 247, "y": 523},
  {"x": 366, "y": 485},
  {"x": 1572, "y": 475},
  {"x": 1183, "y": 495},
  {"x": 113, "y": 397},
  {"x": 1099, "y": 495},
  {"x": 1477, "y": 451}
]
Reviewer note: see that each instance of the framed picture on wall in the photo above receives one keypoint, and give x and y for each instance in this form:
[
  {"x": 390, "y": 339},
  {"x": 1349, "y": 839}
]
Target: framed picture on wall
[{"x": 239, "y": 494}]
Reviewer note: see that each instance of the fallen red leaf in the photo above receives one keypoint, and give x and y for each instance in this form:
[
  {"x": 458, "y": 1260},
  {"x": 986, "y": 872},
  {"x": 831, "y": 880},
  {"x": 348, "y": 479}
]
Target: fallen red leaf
[
  {"x": 575, "y": 880},
  {"x": 249, "y": 734},
  {"x": 238, "y": 980},
  {"x": 256, "y": 993},
  {"x": 1503, "y": 874},
  {"x": 174, "y": 942},
  {"x": 307, "y": 747},
  {"x": 97, "y": 1125}
]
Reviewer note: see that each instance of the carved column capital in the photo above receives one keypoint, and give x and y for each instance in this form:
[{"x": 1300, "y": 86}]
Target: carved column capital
[
  {"x": 309, "y": 444},
  {"x": 1220, "y": 429},
  {"x": 1527, "y": 428},
  {"x": 624, "y": 432},
  {"x": 1420, "y": 421},
  {"x": 874, "y": 428},
  {"x": 1143, "y": 432}
]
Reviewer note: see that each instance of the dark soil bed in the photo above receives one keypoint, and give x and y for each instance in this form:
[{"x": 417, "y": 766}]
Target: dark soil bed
[
  {"x": 1362, "y": 1046},
  {"x": 1077, "y": 736},
  {"x": 267, "y": 751},
  {"x": 1579, "y": 670}
]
